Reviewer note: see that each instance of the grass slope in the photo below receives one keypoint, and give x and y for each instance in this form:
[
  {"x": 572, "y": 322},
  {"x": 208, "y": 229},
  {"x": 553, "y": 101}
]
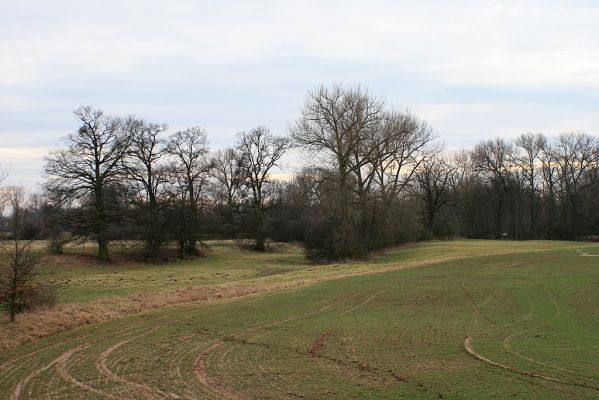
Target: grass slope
[{"x": 528, "y": 310}]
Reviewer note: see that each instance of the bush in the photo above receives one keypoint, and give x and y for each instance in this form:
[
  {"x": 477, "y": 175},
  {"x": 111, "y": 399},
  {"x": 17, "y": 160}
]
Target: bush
[
  {"x": 329, "y": 241},
  {"x": 42, "y": 296}
]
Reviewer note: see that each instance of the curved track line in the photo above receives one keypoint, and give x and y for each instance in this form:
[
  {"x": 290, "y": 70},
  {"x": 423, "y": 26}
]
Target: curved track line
[
  {"x": 148, "y": 391},
  {"x": 63, "y": 372},
  {"x": 480, "y": 357},
  {"x": 200, "y": 362},
  {"x": 368, "y": 300},
  {"x": 16, "y": 394},
  {"x": 206, "y": 380}
]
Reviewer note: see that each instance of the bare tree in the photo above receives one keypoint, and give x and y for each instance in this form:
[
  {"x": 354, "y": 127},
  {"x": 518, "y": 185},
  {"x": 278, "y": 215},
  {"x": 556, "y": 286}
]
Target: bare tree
[
  {"x": 404, "y": 143},
  {"x": 228, "y": 173},
  {"x": 190, "y": 168},
  {"x": 492, "y": 158},
  {"x": 574, "y": 155},
  {"x": 17, "y": 262},
  {"x": 260, "y": 152},
  {"x": 527, "y": 160},
  {"x": 340, "y": 123},
  {"x": 146, "y": 177},
  {"x": 341, "y": 126},
  {"x": 435, "y": 177},
  {"x": 85, "y": 169}
]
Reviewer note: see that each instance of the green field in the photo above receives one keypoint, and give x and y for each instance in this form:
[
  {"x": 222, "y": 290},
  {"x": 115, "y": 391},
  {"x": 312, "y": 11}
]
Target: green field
[{"x": 451, "y": 320}]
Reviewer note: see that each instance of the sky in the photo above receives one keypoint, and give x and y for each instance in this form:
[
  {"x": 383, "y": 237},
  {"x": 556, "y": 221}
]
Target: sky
[{"x": 472, "y": 69}]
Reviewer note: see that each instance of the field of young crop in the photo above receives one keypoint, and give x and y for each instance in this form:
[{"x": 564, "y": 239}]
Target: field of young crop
[{"x": 450, "y": 320}]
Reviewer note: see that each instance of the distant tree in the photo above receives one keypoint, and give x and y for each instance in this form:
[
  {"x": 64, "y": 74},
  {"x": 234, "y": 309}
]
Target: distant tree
[
  {"x": 146, "y": 178},
  {"x": 435, "y": 177},
  {"x": 87, "y": 167},
  {"x": 526, "y": 159},
  {"x": 574, "y": 155},
  {"x": 493, "y": 160},
  {"x": 260, "y": 152},
  {"x": 228, "y": 191},
  {"x": 227, "y": 172},
  {"x": 190, "y": 171},
  {"x": 403, "y": 142},
  {"x": 339, "y": 124}
]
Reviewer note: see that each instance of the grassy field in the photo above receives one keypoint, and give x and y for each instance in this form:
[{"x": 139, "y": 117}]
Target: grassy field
[{"x": 451, "y": 320}]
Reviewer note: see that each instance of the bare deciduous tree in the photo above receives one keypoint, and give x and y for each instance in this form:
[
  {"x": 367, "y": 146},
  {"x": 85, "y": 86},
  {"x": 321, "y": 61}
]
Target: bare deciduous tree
[
  {"x": 492, "y": 158},
  {"x": 190, "y": 170},
  {"x": 228, "y": 173},
  {"x": 84, "y": 170},
  {"x": 147, "y": 177},
  {"x": 527, "y": 160},
  {"x": 260, "y": 152},
  {"x": 435, "y": 177},
  {"x": 18, "y": 263}
]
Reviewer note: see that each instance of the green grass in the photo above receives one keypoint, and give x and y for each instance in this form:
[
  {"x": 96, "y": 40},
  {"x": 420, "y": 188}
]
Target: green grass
[
  {"x": 225, "y": 264},
  {"x": 531, "y": 306}
]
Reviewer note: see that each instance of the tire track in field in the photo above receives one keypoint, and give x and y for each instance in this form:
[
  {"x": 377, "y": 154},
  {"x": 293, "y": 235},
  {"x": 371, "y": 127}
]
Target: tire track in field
[
  {"x": 507, "y": 339},
  {"x": 316, "y": 347},
  {"x": 11, "y": 372},
  {"x": 368, "y": 300},
  {"x": 63, "y": 372},
  {"x": 147, "y": 391},
  {"x": 480, "y": 357},
  {"x": 200, "y": 362},
  {"x": 477, "y": 307},
  {"x": 18, "y": 389},
  {"x": 585, "y": 254}
]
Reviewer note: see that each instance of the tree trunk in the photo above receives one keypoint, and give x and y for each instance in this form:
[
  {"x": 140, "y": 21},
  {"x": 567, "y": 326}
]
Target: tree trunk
[
  {"x": 430, "y": 224},
  {"x": 260, "y": 243},
  {"x": 259, "y": 236},
  {"x": 103, "y": 249},
  {"x": 13, "y": 304}
]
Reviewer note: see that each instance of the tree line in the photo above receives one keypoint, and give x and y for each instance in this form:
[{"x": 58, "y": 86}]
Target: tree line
[{"x": 375, "y": 176}]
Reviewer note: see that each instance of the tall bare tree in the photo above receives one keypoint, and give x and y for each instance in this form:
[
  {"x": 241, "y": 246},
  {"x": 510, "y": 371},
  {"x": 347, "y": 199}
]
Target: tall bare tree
[
  {"x": 228, "y": 175},
  {"x": 492, "y": 158},
  {"x": 86, "y": 167},
  {"x": 435, "y": 177},
  {"x": 574, "y": 154},
  {"x": 260, "y": 152},
  {"x": 146, "y": 177},
  {"x": 341, "y": 126},
  {"x": 527, "y": 160},
  {"x": 190, "y": 168},
  {"x": 340, "y": 123}
]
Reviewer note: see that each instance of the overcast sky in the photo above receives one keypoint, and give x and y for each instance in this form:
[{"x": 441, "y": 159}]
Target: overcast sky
[{"x": 472, "y": 69}]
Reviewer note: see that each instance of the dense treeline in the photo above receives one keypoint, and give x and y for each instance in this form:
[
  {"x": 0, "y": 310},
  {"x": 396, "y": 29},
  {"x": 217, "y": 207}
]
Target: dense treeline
[{"x": 374, "y": 176}]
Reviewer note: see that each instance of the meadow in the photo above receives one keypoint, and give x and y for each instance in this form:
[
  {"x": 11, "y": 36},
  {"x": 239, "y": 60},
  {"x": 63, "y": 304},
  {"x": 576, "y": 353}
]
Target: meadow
[{"x": 437, "y": 320}]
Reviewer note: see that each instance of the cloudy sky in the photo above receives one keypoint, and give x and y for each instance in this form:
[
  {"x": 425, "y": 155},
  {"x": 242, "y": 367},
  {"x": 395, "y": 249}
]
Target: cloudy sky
[{"x": 472, "y": 69}]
